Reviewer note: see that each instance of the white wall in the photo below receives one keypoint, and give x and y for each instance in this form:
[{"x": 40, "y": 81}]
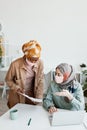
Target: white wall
[{"x": 59, "y": 25}]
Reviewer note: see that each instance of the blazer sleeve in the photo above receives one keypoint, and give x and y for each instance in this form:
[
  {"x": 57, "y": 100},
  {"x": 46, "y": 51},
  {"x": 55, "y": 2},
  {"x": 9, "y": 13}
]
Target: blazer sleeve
[
  {"x": 78, "y": 99},
  {"x": 10, "y": 77},
  {"x": 39, "y": 86},
  {"x": 47, "y": 100}
]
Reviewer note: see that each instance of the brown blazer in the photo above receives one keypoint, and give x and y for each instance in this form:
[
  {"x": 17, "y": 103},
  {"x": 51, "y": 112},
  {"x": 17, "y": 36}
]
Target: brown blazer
[{"x": 15, "y": 78}]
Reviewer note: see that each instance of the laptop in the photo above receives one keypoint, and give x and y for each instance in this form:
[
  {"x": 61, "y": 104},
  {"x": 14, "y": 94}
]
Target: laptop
[{"x": 67, "y": 118}]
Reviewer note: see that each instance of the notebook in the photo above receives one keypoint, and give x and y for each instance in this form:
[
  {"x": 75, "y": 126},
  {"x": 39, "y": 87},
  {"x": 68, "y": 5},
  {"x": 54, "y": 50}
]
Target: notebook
[{"x": 67, "y": 118}]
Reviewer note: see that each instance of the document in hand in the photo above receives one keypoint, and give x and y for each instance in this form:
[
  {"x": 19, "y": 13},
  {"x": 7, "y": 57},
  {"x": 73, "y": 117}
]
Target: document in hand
[{"x": 31, "y": 98}]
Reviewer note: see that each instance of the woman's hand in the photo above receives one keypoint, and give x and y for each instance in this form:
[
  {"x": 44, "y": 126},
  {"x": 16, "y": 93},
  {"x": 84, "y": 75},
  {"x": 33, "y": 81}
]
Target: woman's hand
[
  {"x": 20, "y": 90},
  {"x": 65, "y": 93},
  {"x": 52, "y": 109}
]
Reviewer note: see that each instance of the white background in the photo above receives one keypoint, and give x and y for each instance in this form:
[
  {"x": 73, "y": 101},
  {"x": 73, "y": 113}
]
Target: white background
[{"x": 60, "y": 26}]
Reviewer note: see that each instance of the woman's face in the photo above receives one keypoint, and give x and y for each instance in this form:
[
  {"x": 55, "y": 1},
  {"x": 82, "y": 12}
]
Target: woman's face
[
  {"x": 33, "y": 59},
  {"x": 58, "y": 76}
]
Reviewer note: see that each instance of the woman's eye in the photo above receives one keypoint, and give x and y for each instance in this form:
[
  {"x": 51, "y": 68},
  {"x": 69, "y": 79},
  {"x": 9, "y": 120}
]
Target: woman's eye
[{"x": 58, "y": 74}]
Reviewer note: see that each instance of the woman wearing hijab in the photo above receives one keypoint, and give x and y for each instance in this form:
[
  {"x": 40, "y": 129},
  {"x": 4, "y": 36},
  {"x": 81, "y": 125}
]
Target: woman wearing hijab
[
  {"x": 25, "y": 75},
  {"x": 65, "y": 91}
]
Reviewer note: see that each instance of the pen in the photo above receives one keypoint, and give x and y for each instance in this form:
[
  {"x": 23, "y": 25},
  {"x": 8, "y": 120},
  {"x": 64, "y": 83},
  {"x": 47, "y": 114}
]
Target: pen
[
  {"x": 29, "y": 121},
  {"x": 85, "y": 124}
]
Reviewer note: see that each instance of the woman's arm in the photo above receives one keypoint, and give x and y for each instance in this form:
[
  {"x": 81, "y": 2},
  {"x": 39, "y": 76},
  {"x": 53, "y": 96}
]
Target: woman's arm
[
  {"x": 39, "y": 81},
  {"x": 10, "y": 78},
  {"x": 78, "y": 99},
  {"x": 47, "y": 100}
]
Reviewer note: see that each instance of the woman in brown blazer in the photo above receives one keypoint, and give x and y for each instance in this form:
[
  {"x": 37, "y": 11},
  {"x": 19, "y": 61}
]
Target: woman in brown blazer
[{"x": 25, "y": 75}]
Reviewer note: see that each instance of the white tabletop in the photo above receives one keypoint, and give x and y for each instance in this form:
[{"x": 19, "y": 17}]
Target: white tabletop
[{"x": 39, "y": 120}]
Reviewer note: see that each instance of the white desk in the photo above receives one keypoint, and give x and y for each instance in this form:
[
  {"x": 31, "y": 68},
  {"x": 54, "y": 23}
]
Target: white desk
[{"x": 39, "y": 120}]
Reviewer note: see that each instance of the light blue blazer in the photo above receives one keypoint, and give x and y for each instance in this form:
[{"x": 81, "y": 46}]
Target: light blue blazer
[{"x": 77, "y": 103}]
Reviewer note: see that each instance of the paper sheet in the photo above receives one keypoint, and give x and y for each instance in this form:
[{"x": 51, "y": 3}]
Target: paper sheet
[{"x": 31, "y": 98}]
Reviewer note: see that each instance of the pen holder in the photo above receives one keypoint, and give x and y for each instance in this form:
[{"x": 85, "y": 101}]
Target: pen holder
[{"x": 14, "y": 114}]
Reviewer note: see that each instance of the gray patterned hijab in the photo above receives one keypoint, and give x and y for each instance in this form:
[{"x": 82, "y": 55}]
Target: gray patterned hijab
[{"x": 69, "y": 80}]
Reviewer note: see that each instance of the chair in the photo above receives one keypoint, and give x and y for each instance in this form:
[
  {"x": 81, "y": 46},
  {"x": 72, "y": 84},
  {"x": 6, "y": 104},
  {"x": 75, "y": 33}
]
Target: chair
[
  {"x": 4, "y": 88},
  {"x": 3, "y": 85}
]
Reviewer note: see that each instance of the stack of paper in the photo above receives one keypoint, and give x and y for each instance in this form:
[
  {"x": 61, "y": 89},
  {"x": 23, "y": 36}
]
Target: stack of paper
[{"x": 31, "y": 98}]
